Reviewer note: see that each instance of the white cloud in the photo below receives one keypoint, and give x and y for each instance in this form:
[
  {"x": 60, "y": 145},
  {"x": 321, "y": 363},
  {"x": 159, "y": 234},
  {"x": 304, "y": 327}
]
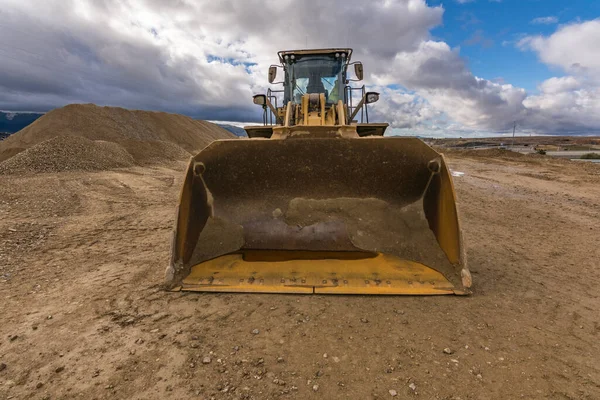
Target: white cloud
[
  {"x": 438, "y": 73},
  {"x": 206, "y": 58},
  {"x": 202, "y": 57},
  {"x": 574, "y": 48},
  {"x": 570, "y": 103},
  {"x": 560, "y": 85},
  {"x": 545, "y": 20}
]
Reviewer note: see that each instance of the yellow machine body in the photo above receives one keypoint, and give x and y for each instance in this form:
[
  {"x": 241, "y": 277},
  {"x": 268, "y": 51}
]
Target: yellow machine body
[{"x": 318, "y": 204}]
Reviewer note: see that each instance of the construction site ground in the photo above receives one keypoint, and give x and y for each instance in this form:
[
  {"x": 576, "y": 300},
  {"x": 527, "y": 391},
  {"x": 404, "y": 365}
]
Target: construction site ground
[{"x": 82, "y": 256}]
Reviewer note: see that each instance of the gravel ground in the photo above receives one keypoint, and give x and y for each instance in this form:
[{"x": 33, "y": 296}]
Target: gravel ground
[{"x": 82, "y": 255}]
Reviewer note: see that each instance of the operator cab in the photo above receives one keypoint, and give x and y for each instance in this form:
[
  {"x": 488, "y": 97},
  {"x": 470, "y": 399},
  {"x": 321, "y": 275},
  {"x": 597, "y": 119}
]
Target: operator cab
[
  {"x": 315, "y": 72},
  {"x": 316, "y": 92}
]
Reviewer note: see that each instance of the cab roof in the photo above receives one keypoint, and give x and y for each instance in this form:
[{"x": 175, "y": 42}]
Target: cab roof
[{"x": 283, "y": 53}]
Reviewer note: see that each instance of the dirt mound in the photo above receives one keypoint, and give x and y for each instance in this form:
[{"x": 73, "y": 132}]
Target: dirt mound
[
  {"x": 154, "y": 151},
  {"x": 135, "y": 130},
  {"x": 68, "y": 153}
]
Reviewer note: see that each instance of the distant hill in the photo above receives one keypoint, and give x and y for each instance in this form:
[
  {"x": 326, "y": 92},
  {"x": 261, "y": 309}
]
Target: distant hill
[
  {"x": 146, "y": 135},
  {"x": 11, "y": 122},
  {"x": 236, "y": 130}
]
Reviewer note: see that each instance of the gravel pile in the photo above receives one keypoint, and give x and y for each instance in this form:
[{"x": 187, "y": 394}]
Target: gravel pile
[
  {"x": 154, "y": 151},
  {"x": 148, "y": 136},
  {"x": 68, "y": 153}
]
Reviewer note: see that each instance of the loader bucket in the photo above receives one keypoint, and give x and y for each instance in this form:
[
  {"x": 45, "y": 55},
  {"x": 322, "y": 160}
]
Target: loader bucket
[{"x": 318, "y": 215}]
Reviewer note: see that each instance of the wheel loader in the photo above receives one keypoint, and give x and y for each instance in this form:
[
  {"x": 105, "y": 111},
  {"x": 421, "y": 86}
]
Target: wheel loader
[{"x": 316, "y": 200}]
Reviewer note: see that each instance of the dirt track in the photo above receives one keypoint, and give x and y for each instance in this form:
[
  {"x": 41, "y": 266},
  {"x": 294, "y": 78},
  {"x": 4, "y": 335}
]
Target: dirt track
[{"x": 81, "y": 256}]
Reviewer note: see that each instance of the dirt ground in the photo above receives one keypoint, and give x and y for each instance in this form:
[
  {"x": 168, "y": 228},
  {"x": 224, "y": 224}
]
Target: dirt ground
[{"x": 82, "y": 314}]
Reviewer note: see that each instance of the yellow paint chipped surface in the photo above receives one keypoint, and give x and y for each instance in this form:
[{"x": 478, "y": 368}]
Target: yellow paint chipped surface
[{"x": 315, "y": 272}]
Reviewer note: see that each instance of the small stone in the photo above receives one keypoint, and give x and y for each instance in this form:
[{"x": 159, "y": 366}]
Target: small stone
[
  {"x": 325, "y": 355},
  {"x": 206, "y": 360},
  {"x": 39, "y": 385},
  {"x": 179, "y": 331},
  {"x": 192, "y": 365},
  {"x": 154, "y": 330},
  {"x": 412, "y": 386},
  {"x": 12, "y": 338},
  {"x": 277, "y": 213},
  {"x": 315, "y": 388},
  {"x": 49, "y": 317},
  {"x": 479, "y": 376},
  {"x": 194, "y": 345},
  {"x": 393, "y": 393},
  {"x": 194, "y": 337},
  {"x": 364, "y": 320},
  {"x": 319, "y": 373},
  {"x": 59, "y": 369},
  {"x": 280, "y": 359},
  {"x": 448, "y": 350},
  {"x": 255, "y": 331},
  {"x": 34, "y": 327},
  {"x": 2, "y": 366},
  {"x": 336, "y": 359}
]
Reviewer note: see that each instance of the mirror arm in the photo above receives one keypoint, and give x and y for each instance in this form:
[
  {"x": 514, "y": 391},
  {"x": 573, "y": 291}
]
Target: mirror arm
[{"x": 273, "y": 110}]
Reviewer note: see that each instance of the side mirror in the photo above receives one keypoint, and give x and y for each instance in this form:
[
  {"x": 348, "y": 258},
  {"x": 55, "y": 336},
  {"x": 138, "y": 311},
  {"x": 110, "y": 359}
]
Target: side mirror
[
  {"x": 358, "y": 71},
  {"x": 371, "y": 97},
  {"x": 272, "y": 73},
  {"x": 259, "y": 99}
]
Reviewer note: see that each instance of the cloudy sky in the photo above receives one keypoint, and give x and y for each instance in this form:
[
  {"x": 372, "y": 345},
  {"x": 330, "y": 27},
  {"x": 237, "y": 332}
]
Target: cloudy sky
[{"x": 457, "y": 67}]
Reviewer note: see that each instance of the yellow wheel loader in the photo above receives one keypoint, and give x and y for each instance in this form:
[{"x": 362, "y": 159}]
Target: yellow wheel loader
[{"x": 316, "y": 201}]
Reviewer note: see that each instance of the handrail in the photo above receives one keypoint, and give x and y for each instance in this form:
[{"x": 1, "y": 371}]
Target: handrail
[
  {"x": 348, "y": 99},
  {"x": 268, "y": 116}
]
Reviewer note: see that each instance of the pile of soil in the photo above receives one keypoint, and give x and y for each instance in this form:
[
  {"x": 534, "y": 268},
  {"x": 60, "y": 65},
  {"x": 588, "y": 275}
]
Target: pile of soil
[
  {"x": 68, "y": 153},
  {"x": 154, "y": 151},
  {"x": 147, "y": 135}
]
